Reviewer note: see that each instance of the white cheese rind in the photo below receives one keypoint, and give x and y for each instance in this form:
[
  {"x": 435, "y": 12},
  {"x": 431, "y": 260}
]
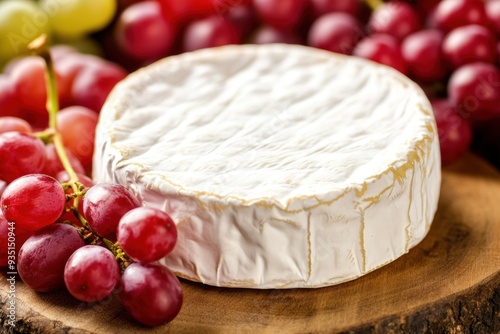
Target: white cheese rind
[{"x": 283, "y": 166}]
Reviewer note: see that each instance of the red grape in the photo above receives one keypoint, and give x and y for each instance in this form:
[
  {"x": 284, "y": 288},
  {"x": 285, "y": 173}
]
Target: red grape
[
  {"x": 91, "y": 273},
  {"x": 150, "y": 293},
  {"x": 104, "y": 205},
  {"x": 37, "y": 119},
  {"x": 93, "y": 84},
  {"x": 4, "y": 241},
  {"x": 33, "y": 201},
  {"x": 61, "y": 51},
  {"x": 426, "y": 7},
  {"x": 114, "y": 53},
  {"x": 455, "y": 133},
  {"x": 268, "y": 35},
  {"x": 77, "y": 127},
  {"x": 395, "y": 18},
  {"x": 11, "y": 65},
  {"x": 498, "y": 52},
  {"x": 53, "y": 164},
  {"x": 492, "y": 8},
  {"x": 143, "y": 32},
  {"x": 468, "y": 44},
  {"x": 243, "y": 17},
  {"x": 43, "y": 256},
  {"x": 423, "y": 55},
  {"x": 383, "y": 49},
  {"x": 124, "y": 4},
  {"x": 71, "y": 64},
  {"x": 282, "y": 14},
  {"x": 28, "y": 77},
  {"x": 179, "y": 11},
  {"x": 147, "y": 234},
  {"x": 223, "y": 6},
  {"x": 210, "y": 32},
  {"x": 11, "y": 240},
  {"x": 68, "y": 68},
  {"x": 8, "y": 124},
  {"x": 63, "y": 177},
  {"x": 8, "y": 100},
  {"x": 20, "y": 154},
  {"x": 336, "y": 32},
  {"x": 321, "y": 7},
  {"x": 450, "y": 14},
  {"x": 474, "y": 90},
  {"x": 3, "y": 185}
]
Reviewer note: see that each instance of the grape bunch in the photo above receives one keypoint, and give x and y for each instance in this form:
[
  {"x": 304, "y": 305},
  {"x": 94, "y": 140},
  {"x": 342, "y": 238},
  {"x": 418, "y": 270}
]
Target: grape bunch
[
  {"x": 91, "y": 239},
  {"x": 449, "y": 47},
  {"x": 83, "y": 83}
]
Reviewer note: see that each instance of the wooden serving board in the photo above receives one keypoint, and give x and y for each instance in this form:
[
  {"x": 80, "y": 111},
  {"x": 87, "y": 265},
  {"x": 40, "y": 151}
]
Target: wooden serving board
[{"x": 450, "y": 283}]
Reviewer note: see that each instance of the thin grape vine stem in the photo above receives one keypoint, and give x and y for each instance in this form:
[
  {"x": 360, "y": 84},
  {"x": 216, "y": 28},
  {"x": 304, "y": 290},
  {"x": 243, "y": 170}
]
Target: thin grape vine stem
[
  {"x": 123, "y": 259},
  {"x": 45, "y": 136},
  {"x": 39, "y": 47}
]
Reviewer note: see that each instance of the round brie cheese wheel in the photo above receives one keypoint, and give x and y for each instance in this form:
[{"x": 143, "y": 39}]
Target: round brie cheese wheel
[{"x": 283, "y": 166}]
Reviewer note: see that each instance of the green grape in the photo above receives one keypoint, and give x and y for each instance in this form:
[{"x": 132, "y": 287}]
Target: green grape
[
  {"x": 75, "y": 18},
  {"x": 21, "y": 21}
]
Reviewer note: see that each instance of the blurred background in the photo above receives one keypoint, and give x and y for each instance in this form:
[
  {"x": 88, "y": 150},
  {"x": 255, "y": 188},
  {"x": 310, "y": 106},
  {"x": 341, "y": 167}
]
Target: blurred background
[{"x": 450, "y": 48}]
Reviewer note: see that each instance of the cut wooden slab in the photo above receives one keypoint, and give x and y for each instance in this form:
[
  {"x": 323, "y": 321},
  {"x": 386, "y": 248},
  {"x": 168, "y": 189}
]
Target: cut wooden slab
[{"x": 450, "y": 283}]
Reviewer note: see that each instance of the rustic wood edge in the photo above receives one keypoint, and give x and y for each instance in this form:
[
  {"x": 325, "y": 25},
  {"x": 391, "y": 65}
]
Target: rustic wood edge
[
  {"x": 471, "y": 311},
  {"x": 474, "y": 310},
  {"x": 30, "y": 321}
]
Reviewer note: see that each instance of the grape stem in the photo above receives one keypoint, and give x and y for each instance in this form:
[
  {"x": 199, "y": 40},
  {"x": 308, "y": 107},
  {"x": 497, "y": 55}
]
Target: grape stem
[
  {"x": 90, "y": 237},
  {"x": 82, "y": 220},
  {"x": 45, "y": 136},
  {"x": 123, "y": 260},
  {"x": 374, "y": 4},
  {"x": 39, "y": 47}
]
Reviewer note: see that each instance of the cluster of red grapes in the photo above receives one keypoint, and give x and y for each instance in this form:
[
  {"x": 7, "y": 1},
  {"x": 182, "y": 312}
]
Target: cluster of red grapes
[
  {"x": 116, "y": 243},
  {"x": 62, "y": 230},
  {"x": 83, "y": 84},
  {"x": 449, "y": 47},
  {"x": 83, "y": 80}
]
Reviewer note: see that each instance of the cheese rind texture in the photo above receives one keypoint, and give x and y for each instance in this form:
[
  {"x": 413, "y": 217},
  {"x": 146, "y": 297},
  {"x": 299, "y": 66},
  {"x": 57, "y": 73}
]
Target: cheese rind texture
[{"x": 283, "y": 166}]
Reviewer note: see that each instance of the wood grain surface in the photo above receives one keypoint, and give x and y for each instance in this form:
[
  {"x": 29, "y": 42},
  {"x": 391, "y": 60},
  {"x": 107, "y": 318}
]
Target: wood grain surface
[{"x": 450, "y": 283}]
